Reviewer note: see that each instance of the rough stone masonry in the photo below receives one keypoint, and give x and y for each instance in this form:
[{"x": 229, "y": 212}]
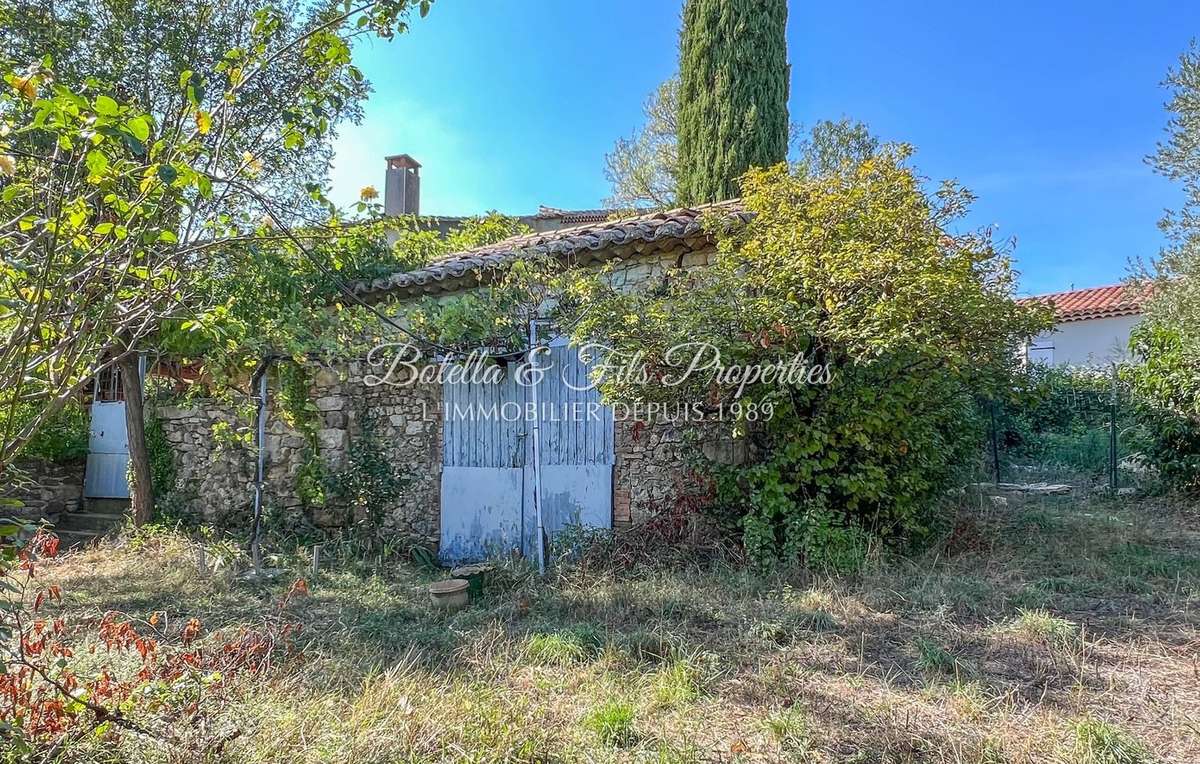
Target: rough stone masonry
[{"x": 215, "y": 477}]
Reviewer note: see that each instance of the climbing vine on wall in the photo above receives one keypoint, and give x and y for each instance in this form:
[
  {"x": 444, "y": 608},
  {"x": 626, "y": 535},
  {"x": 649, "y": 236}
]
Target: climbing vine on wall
[
  {"x": 367, "y": 486},
  {"x": 300, "y": 413},
  {"x": 370, "y": 483},
  {"x": 162, "y": 463}
]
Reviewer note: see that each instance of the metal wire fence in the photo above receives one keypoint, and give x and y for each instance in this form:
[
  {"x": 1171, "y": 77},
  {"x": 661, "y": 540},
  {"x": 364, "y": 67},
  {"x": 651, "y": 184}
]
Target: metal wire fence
[{"x": 1071, "y": 426}]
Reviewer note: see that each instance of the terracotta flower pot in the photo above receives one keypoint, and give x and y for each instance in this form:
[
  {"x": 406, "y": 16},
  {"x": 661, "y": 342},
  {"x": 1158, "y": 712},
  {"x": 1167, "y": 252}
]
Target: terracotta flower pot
[{"x": 450, "y": 594}]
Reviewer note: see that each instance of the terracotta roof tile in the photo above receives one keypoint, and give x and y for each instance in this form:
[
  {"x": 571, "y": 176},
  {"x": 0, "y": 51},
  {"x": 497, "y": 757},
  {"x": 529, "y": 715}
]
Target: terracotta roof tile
[
  {"x": 1097, "y": 302},
  {"x": 595, "y": 239},
  {"x": 573, "y": 216}
]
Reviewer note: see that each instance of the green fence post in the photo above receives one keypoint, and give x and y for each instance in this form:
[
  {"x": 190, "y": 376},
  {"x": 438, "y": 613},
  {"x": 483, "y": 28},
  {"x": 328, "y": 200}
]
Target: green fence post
[{"x": 1112, "y": 434}]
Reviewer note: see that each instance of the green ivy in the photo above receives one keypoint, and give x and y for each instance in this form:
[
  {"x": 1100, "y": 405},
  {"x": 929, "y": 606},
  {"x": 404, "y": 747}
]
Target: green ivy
[
  {"x": 63, "y": 439},
  {"x": 370, "y": 483},
  {"x": 162, "y": 462},
  {"x": 295, "y": 405},
  {"x": 227, "y": 436},
  {"x": 312, "y": 480}
]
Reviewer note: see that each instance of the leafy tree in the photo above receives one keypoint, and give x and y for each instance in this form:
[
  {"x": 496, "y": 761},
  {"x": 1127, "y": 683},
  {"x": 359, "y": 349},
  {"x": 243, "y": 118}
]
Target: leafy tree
[
  {"x": 110, "y": 205},
  {"x": 830, "y": 147},
  {"x": 1176, "y": 289},
  {"x": 853, "y": 270},
  {"x": 284, "y": 299},
  {"x": 1167, "y": 382},
  {"x": 733, "y": 90},
  {"x": 642, "y": 167},
  {"x": 137, "y": 52}
]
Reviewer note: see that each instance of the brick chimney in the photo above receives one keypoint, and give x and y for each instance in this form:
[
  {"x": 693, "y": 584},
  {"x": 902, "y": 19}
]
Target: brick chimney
[{"x": 402, "y": 186}]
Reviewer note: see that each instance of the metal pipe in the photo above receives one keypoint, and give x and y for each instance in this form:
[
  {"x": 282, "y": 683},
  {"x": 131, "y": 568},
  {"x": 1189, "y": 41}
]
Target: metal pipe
[
  {"x": 537, "y": 467},
  {"x": 255, "y": 548}
]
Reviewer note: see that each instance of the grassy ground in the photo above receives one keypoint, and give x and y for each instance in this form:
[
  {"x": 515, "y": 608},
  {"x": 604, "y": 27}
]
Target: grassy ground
[{"x": 1046, "y": 632}]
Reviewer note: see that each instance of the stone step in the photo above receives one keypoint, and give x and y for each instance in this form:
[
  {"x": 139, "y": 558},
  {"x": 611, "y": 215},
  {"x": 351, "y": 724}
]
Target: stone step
[
  {"x": 106, "y": 506},
  {"x": 90, "y": 520}
]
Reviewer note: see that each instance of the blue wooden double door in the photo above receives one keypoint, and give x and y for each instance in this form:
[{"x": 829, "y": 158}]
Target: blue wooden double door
[{"x": 487, "y": 499}]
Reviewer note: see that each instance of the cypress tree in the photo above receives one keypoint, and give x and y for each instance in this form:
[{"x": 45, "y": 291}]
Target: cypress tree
[{"x": 732, "y": 94}]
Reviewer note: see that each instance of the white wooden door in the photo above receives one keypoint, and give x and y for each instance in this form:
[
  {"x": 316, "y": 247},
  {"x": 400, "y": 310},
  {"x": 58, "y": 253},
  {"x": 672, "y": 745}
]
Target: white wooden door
[
  {"x": 108, "y": 453},
  {"x": 483, "y": 461},
  {"x": 487, "y": 506},
  {"x": 576, "y": 439}
]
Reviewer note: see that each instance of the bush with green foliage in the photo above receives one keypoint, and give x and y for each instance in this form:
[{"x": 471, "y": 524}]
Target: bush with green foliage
[
  {"x": 1167, "y": 342},
  {"x": 1166, "y": 389},
  {"x": 61, "y": 439},
  {"x": 1059, "y": 418},
  {"x": 851, "y": 268}
]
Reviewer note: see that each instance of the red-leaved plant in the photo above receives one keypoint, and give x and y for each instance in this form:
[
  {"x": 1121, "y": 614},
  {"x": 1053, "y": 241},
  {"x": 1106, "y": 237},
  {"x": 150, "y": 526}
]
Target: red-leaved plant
[{"x": 148, "y": 685}]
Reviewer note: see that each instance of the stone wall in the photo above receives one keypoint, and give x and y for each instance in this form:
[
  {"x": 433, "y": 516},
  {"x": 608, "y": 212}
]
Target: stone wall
[
  {"x": 657, "y": 462},
  {"x": 654, "y": 462},
  {"x": 653, "y": 465},
  {"x": 408, "y": 422},
  {"x": 38, "y": 489},
  {"x": 215, "y": 475}
]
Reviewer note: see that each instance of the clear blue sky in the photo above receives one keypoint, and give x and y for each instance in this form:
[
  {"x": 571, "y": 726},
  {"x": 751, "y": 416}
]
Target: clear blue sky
[{"x": 1045, "y": 109}]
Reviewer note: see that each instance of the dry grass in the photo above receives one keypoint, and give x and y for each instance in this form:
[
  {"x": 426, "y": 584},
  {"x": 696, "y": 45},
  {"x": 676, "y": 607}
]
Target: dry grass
[{"x": 1047, "y": 633}]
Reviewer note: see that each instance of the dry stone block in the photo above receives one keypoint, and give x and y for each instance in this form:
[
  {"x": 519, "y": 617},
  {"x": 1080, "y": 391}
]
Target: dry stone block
[{"x": 331, "y": 403}]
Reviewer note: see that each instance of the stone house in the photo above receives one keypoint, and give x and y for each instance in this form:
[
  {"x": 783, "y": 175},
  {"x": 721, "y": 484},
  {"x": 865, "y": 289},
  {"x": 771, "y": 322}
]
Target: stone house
[{"x": 470, "y": 479}]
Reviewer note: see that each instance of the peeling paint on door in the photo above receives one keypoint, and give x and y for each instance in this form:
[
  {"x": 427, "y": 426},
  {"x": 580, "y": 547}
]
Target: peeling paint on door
[{"x": 487, "y": 477}]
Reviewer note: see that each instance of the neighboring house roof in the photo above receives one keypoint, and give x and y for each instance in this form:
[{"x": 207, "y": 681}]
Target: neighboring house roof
[
  {"x": 572, "y": 217},
  {"x": 1087, "y": 304},
  {"x": 681, "y": 228},
  {"x": 546, "y": 218}
]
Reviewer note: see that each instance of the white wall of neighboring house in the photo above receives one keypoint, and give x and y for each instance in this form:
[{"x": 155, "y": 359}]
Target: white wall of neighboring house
[{"x": 1089, "y": 342}]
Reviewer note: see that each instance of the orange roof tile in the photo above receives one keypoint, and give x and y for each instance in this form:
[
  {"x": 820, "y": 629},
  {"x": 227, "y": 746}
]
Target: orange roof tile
[{"x": 1097, "y": 302}]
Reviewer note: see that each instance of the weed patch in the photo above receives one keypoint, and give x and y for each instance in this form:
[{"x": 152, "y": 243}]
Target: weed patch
[
  {"x": 1041, "y": 625},
  {"x": 934, "y": 659},
  {"x": 562, "y": 647},
  {"x": 790, "y": 729},
  {"x": 612, "y": 723},
  {"x": 1098, "y": 742},
  {"x": 691, "y": 664}
]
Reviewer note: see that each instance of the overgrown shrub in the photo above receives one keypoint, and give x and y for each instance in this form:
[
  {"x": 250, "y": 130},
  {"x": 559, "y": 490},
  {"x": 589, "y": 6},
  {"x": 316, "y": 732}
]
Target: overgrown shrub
[
  {"x": 852, "y": 273},
  {"x": 1060, "y": 418},
  {"x": 1166, "y": 389},
  {"x": 63, "y": 438}
]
